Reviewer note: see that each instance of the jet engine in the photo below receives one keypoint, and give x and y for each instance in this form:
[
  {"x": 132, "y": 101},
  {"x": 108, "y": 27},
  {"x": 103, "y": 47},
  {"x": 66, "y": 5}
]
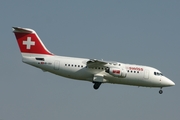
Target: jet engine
[{"x": 116, "y": 72}]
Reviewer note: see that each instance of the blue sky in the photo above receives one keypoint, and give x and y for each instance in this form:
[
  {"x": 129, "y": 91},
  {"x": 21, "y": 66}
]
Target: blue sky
[{"x": 138, "y": 32}]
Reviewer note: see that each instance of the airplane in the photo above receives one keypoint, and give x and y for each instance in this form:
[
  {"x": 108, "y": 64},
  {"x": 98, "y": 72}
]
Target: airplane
[{"x": 35, "y": 53}]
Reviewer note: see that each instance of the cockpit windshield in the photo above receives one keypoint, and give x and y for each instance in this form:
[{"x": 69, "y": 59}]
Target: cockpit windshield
[{"x": 158, "y": 74}]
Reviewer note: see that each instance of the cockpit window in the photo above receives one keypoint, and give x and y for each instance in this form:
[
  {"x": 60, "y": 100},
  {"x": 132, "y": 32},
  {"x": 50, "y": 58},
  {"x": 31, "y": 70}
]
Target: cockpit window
[{"x": 158, "y": 74}]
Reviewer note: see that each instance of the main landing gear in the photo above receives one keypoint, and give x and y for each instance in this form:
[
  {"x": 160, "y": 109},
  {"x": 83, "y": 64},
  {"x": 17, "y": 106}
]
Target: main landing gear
[
  {"x": 160, "y": 91},
  {"x": 96, "y": 85}
]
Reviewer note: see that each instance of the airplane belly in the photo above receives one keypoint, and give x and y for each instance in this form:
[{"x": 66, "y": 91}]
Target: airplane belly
[
  {"x": 73, "y": 73},
  {"x": 128, "y": 81}
]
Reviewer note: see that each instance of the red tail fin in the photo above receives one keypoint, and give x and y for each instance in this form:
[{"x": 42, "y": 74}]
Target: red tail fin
[{"x": 29, "y": 42}]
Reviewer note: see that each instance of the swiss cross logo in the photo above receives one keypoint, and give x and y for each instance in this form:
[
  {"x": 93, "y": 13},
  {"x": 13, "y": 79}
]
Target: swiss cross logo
[{"x": 28, "y": 43}]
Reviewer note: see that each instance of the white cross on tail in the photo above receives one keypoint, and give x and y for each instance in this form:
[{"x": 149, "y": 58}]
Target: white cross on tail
[{"x": 28, "y": 43}]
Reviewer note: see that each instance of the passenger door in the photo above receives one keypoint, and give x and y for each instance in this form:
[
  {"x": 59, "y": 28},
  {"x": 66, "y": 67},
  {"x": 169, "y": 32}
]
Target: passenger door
[
  {"x": 146, "y": 74},
  {"x": 56, "y": 65}
]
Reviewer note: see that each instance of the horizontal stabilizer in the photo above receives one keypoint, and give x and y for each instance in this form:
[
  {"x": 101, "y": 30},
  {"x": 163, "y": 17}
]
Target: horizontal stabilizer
[{"x": 23, "y": 30}]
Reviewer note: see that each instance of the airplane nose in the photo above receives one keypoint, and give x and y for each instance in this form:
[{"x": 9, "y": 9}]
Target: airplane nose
[
  {"x": 167, "y": 82},
  {"x": 171, "y": 83}
]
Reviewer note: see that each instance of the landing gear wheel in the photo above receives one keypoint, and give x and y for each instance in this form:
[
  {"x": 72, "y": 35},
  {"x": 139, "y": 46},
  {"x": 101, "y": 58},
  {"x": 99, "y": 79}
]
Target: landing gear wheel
[
  {"x": 96, "y": 85},
  {"x": 160, "y": 91}
]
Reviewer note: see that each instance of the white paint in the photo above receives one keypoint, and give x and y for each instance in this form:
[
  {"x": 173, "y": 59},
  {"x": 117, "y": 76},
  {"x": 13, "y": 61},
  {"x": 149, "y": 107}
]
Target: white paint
[
  {"x": 94, "y": 70},
  {"x": 28, "y": 43}
]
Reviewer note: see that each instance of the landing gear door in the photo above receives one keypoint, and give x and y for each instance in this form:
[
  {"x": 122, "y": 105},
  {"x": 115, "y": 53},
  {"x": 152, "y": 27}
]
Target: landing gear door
[{"x": 98, "y": 78}]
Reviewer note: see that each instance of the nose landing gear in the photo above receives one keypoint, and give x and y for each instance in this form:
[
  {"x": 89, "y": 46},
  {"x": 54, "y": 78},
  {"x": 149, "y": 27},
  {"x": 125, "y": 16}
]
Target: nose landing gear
[{"x": 160, "y": 91}]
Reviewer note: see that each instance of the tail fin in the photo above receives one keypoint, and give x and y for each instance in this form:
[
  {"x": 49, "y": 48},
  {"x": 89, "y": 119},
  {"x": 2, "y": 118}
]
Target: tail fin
[{"x": 29, "y": 42}]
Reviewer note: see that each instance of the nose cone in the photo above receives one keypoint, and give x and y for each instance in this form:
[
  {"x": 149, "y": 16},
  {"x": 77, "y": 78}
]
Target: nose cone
[{"x": 166, "y": 82}]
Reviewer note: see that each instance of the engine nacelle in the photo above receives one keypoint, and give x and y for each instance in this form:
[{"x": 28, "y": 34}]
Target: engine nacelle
[{"x": 117, "y": 72}]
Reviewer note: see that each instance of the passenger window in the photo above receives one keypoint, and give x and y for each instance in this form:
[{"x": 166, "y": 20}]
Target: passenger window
[{"x": 154, "y": 73}]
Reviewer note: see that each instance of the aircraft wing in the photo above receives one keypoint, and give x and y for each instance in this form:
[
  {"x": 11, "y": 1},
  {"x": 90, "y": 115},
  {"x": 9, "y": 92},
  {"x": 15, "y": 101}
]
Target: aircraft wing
[{"x": 95, "y": 62}]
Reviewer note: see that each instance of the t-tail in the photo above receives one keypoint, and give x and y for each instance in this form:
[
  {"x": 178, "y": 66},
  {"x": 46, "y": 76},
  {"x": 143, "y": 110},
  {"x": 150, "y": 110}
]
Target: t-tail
[{"x": 29, "y": 42}]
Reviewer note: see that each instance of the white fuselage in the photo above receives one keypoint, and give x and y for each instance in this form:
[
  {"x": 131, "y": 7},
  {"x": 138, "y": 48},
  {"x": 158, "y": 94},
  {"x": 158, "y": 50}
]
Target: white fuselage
[
  {"x": 76, "y": 68},
  {"x": 96, "y": 71}
]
